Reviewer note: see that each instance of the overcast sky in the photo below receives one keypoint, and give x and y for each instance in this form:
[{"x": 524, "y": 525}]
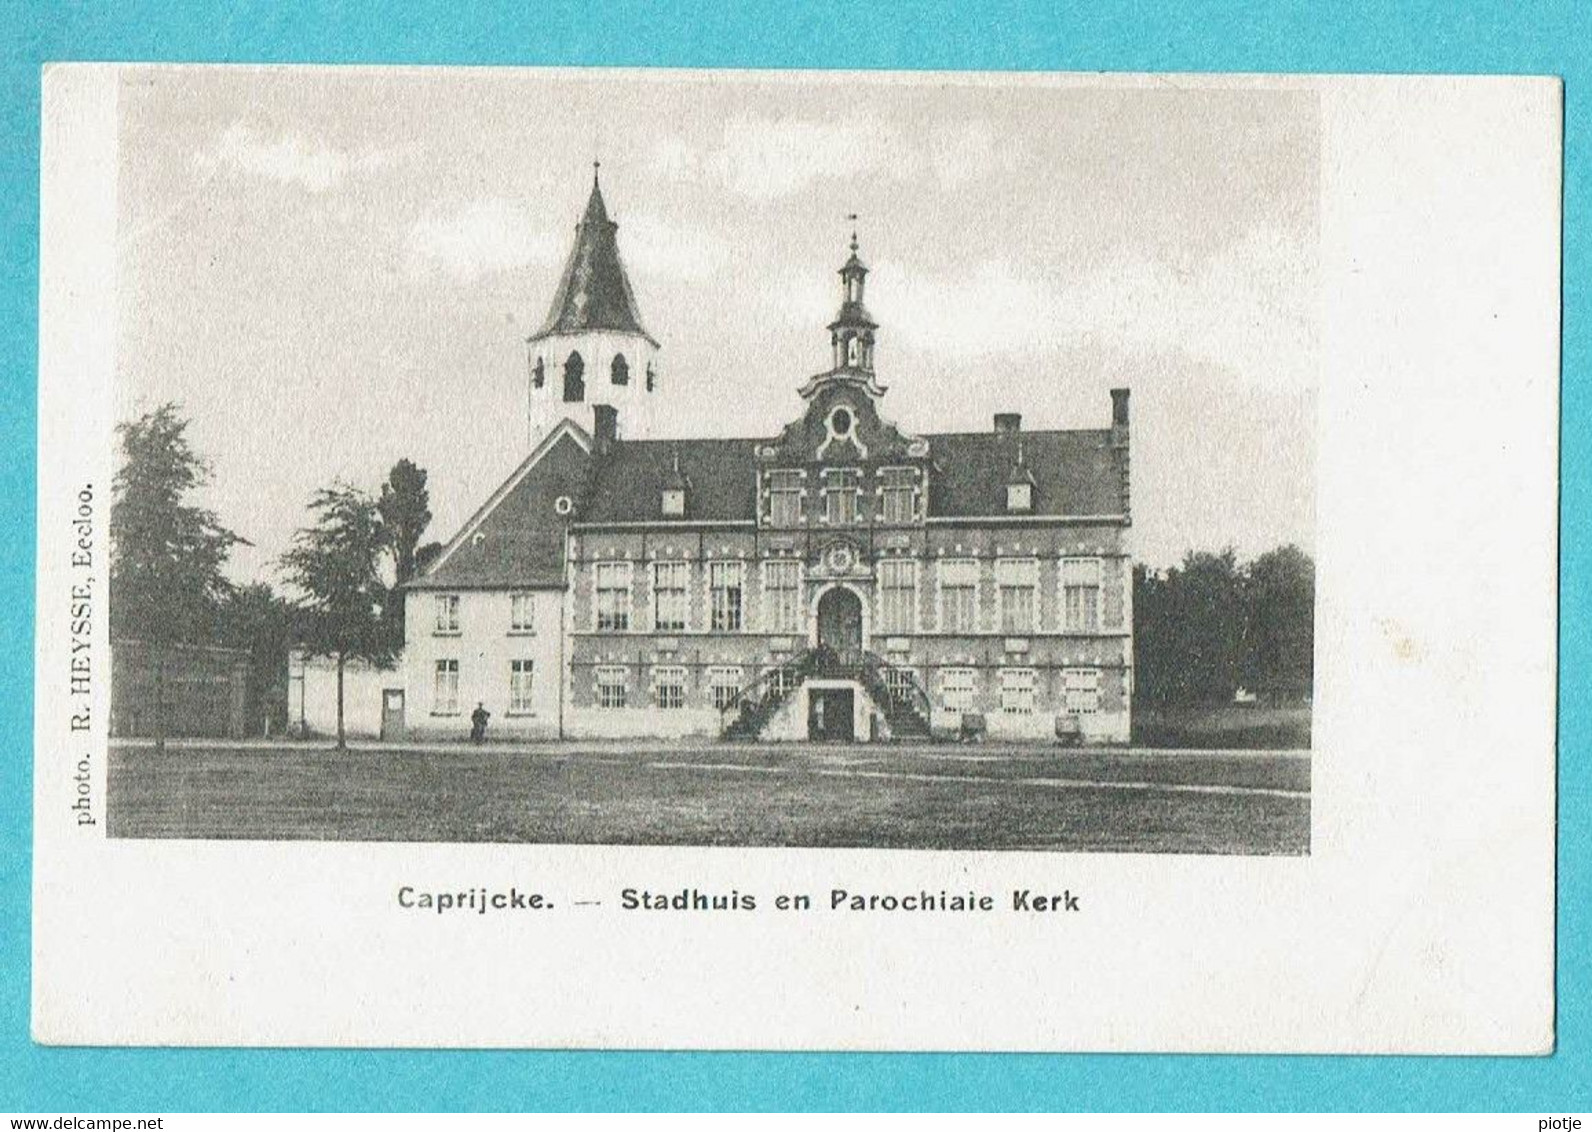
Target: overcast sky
[{"x": 333, "y": 269}]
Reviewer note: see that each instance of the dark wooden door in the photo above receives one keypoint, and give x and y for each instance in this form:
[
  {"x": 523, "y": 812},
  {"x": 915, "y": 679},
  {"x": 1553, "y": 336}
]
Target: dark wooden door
[
  {"x": 840, "y": 622},
  {"x": 829, "y": 715},
  {"x": 392, "y": 713}
]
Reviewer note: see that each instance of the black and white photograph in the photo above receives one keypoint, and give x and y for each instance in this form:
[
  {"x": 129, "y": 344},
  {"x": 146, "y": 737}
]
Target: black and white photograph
[
  {"x": 796, "y": 560},
  {"x": 587, "y": 458}
]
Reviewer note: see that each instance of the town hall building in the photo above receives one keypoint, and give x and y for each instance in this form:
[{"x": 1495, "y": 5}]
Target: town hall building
[{"x": 845, "y": 579}]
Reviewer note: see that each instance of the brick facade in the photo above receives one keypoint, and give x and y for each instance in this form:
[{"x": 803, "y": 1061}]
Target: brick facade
[{"x": 938, "y": 577}]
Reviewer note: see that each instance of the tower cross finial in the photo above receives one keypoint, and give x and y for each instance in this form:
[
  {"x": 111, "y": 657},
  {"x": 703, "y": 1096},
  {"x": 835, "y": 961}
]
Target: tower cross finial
[{"x": 595, "y": 166}]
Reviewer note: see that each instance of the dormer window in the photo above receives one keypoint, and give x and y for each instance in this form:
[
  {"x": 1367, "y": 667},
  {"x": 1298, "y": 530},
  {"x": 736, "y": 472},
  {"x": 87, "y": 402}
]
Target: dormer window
[
  {"x": 675, "y": 485},
  {"x": 1019, "y": 497}
]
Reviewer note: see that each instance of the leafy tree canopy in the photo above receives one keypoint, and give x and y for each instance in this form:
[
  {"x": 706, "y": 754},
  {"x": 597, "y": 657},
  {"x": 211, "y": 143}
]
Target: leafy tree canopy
[
  {"x": 167, "y": 553},
  {"x": 405, "y": 510},
  {"x": 336, "y": 565},
  {"x": 1212, "y": 624}
]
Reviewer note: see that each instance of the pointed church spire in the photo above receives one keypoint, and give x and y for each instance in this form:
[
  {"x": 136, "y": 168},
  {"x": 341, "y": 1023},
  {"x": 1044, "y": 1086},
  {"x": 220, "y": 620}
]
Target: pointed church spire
[{"x": 594, "y": 292}]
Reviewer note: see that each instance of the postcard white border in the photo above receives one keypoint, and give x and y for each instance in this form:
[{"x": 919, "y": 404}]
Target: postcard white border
[{"x": 1422, "y": 921}]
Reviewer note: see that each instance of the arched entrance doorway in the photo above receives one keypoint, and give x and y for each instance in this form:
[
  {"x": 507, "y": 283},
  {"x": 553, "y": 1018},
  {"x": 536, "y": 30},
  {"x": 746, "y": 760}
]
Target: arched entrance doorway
[
  {"x": 840, "y": 622},
  {"x": 832, "y": 697}
]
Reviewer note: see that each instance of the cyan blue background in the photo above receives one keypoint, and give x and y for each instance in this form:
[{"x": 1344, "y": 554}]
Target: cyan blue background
[{"x": 1135, "y": 35}]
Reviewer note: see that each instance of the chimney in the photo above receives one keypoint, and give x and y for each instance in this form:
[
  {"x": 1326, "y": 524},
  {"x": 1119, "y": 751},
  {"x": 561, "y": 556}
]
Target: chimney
[
  {"x": 605, "y": 424},
  {"x": 1008, "y": 424},
  {"x": 1119, "y": 443}
]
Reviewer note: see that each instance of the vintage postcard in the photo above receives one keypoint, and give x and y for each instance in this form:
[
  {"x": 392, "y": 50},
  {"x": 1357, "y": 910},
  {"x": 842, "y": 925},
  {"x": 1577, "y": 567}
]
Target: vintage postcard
[{"x": 692, "y": 559}]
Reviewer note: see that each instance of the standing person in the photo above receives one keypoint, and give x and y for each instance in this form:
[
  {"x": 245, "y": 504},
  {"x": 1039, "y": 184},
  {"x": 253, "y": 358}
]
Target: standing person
[{"x": 478, "y": 719}]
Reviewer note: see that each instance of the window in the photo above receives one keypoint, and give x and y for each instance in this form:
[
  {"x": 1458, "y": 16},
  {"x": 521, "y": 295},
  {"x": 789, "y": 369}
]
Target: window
[
  {"x": 447, "y": 613},
  {"x": 611, "y": 687},
  {"x": 538, "y": 374},
  {"x": 724, "y": 585},
  {"x": 782, "y": 585},
  {"x": 898, "y": 591},
  {"x": 673, "y": 501},
  {"x": 957, "y": 688},
  {"x": 445, "y": 688},
  {"x": 899, "y": 683},
  {"x": 669, "y": 688},
  {"x": 574, "y": 378},
  {"x": 652, "y": 378},
  {"x": 613, "y": 597},
  {"x": 619, "y": 371},
  {"x": 782, "y": 682},
  {"x": 726, "y": 686},
  {"x": 841, "y": 488},
  {"x": 899, "y": 492},
  {"x": 1017, "y": 691},
  {"x": 1018, "y": 579},
  {"x": 520, "y": 687},
  {"x": 669, "y": 599},
  {"x": 959, "y": 595},
  {"x": 1019, "y": 497},
  {"x": 785, "y": 499},
  {"x": 1082, "y": 688},
  {"x": 1080, "y": 585},
  {"x": 522, "y": 613}
]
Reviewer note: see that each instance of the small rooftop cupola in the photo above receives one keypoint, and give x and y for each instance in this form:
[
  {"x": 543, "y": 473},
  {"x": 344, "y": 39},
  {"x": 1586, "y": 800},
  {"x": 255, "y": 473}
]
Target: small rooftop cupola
[
  {"x": 851, "y": 334},
  {"x": 675, "y": 487},
  {"x": 592, "y": 346}
]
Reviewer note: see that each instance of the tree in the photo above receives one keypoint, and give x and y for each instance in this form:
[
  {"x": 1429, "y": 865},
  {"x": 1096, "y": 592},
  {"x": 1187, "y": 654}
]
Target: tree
[
  {"x": 1188, "y": 628},
  {"x": 426, "y": 555},
  {"x": 1279, "y": 622},
  {"x": 405, "y": 511},
  {"x": 167, "y": 554},
  {"x": 258, "y": 619},
  {"x": 336, "y": 565},
  {"x": 1203, "y": 628}
]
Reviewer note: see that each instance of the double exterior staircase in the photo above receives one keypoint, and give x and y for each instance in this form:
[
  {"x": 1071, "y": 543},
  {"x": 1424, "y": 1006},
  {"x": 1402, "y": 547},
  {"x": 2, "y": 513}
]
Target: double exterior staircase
[{"x": 903, "y": 701}]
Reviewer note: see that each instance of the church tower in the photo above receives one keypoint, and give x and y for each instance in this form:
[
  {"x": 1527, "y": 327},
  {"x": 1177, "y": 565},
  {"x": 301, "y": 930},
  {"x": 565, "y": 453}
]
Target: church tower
[{"x": 592, "y": 349}]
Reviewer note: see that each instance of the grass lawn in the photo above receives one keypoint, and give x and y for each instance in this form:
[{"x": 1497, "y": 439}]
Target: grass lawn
[
  {"x": 952, "y": 797},
  {"x": 1274, "y": 727}
]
